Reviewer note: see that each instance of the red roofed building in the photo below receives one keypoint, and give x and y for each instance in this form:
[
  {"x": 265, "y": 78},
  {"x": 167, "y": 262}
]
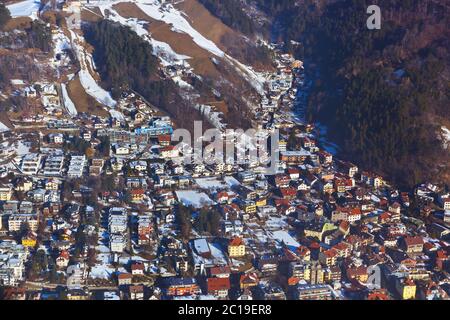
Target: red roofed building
[
  {"x": 413, "y": 244},
  {"x": 137, "y": 269},
  {"x": 63, "y": 259},
  {"x": 137, "y": 195},
  {"x": 288, "y": 193},
  {"x": 304, "y": 253},
  {"x": 282, "y": 181},
  {"x": 222, "y": 197},
  {"x": 329, "y": 257},
  {"x": 218, "y": 286},
  {"x": 164, "y": 140},
  {"x": 378, "y": 295},
  {"x": 124, "y": 279},
  {"x": 293, "y": 173}
]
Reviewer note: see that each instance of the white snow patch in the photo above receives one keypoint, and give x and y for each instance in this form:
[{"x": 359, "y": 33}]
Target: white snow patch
[
  {"x": 3, "y": 128},
  {"x": 171, "y": 16},
  {"x": 117, "y": 114},
  {"x": 193, "y": 198},
  {"x": 27, "y": 8},
  {"x": 210, "y": 183},
  {"x": 446, "y": 137},
  {"x": 87, "y": 81},
  {"x": 68, "y": 103},
  {"x": 283, "y": 236}
]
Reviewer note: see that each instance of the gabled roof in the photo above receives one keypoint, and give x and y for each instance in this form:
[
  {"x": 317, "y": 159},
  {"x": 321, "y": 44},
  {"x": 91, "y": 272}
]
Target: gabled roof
[
  {"x": 413, "y": 241},
  {"x": 237, "y": 241}
]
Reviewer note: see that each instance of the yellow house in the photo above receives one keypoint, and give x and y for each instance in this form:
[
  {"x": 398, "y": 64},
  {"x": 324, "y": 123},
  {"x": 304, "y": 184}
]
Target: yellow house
[
  {"x": 77, "y": 294},
  {"x": 250, "y": 207},
  {"x": 378, "y": 182},
  {"x": 313, "y": 233},
  {"x": 317, "y": 232},
  {"x": 407, "y": 289},
  {"x": 5, "y": 193},
  {"x": 137, "y": 195},
  {"x": 261, "y": 202},
  {"x": 236, "y": 248},
  {"x": 29, "y": 242}
]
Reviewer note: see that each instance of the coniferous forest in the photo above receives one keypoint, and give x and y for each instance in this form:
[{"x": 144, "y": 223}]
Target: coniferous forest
[
  {"x": 382, "y": 93},
  {"x": 126, "y": 61}
]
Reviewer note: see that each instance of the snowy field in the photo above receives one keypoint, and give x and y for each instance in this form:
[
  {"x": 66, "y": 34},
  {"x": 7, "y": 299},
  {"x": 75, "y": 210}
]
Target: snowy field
[
  {"x": 210, "y": 183},
  {"x": 89, "y": 84},
  {"x": 27, "y": 8},
  {"x": 68, "y": 103},
  {"x": 193, "y": 198},
  {"x": 231, "y": 182},
  {"x": 117, "y": 115},
  {"x": 179, "y": 24},
  {"x": 283, "y": 236}
]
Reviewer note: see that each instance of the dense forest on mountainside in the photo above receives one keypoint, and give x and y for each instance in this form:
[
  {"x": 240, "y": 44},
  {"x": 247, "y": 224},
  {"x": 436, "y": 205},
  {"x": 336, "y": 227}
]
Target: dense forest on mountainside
[
  {"x": 382, "y": 93},
  {"x": 377, "y": 88},
  {"x": 39, "y": 36},
  {"x": 124, "y": 60},
  {"x": 231, "y": 13}
]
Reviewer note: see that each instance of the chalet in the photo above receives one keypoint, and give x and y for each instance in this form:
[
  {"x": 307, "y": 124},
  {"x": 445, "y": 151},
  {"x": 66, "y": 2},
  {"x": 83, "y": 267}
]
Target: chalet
[
  {"x": 29, "y": 240},
  {"x": 124, "y": 279},
  {"x": 137, "y": 195},
  {"x": 282, "y": 181},
  {"x": 325, "y": 157},
  {"x": 327, "y": 187},
  {"x": 349, "y": 168},
  {"x": 288, "y": 193},
  {"x": 222, "y": 197},
  {"x": 413, "y": 245},
  {"x": 169, "y": 152},
  {"x": 406, "y": 288},
  {"x": 395, "y": 208},
  {"x": 121, "y": 150},
  {"x": 139, "y": 166},
  {"x": 218, "y": 286},
  {"x": 294, "y": 157},
  {"x": 236, "y": 248},
  {"x": 137, "y": 269}
]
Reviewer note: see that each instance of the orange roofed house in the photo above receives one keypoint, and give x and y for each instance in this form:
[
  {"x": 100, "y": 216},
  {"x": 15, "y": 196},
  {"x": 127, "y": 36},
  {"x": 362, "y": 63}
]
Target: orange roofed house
[
  {"x": 236, "y": 248},
  {"x": 248, "y": 280}
]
